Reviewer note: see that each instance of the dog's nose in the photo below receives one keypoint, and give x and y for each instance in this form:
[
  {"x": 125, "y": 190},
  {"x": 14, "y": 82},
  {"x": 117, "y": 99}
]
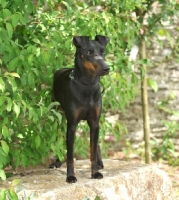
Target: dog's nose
[{"x": 106, "y": 69}]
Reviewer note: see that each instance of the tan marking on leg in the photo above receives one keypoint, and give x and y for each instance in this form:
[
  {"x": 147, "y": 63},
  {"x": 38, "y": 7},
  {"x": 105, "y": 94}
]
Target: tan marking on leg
[
  {"x": 98, "y": 111},
  {"x": 78, "y": 112}
]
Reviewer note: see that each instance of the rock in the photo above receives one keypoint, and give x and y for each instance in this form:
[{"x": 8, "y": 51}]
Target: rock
[{"x": 122, "y": 181}]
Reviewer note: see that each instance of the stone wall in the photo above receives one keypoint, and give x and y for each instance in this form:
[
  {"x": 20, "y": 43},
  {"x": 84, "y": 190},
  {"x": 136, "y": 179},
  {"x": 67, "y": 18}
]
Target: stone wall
[{"x": 166, "y": 73}]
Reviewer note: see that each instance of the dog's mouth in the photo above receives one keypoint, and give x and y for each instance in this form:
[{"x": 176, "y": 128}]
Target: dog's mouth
[
  {"x": 105, "y": 72},
  {"x": 101, "y": 72}
]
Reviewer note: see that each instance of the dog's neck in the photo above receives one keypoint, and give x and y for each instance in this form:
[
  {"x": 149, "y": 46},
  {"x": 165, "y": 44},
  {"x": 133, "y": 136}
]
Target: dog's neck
[{"x": 74, "y": 76}]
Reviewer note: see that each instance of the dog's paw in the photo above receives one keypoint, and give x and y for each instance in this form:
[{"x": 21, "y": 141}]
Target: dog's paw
[
  {"x": 71, "y": 179},
  {"x": 56, "y": 164},
  {"x": 97, "y": 175}
]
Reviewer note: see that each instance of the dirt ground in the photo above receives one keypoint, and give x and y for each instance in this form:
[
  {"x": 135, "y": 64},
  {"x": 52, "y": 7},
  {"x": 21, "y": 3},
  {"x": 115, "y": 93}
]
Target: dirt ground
[{"x": 172, "y": 172}]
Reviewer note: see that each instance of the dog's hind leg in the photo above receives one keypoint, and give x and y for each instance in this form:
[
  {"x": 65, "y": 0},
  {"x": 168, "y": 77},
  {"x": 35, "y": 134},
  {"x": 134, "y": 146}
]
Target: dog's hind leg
[{"x": 56, "y": 164}]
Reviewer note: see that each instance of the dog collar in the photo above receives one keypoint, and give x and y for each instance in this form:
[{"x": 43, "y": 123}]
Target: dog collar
[
  {"x": 71, "y": 76},
  {"x": 73, "y": 79}
]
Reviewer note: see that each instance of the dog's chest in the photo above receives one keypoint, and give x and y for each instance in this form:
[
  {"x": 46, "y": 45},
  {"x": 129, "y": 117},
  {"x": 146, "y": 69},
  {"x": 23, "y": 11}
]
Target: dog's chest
[
  {"x": 85, "y": 95},
  {"x": 89, "y": 97}
]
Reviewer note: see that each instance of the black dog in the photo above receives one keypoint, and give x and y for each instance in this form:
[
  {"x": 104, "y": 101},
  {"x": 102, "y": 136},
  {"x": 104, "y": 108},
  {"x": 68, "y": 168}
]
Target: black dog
[{"x": 78, "y": 91}]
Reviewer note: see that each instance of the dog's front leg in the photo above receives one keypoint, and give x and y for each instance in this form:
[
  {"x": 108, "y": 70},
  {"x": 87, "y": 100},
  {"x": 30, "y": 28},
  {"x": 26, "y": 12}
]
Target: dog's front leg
[
  {"x": 71, "y": 127},
  {"x": 99, "y": 159},
  {"x": 94, "y": 134}
]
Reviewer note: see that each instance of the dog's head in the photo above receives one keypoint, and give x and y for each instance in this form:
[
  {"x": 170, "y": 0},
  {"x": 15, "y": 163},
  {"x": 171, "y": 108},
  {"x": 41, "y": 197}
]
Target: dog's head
[{"x": 91, "y": 54}]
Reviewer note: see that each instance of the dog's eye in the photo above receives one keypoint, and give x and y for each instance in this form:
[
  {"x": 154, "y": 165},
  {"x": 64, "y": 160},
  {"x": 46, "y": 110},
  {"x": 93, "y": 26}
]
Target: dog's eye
[
  {"x": 103, "y": 52},
  {"x": 89, "y": 52}
]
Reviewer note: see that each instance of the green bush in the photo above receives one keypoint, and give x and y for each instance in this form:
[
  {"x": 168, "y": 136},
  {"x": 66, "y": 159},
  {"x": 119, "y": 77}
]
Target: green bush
[{"x": 166, "y": 150}]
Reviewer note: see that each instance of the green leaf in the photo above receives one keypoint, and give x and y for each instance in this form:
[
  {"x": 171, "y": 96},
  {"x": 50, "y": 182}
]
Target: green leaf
[
  {"x": 144, "y": 61},
  {"x": 38, "y": 52},
  {"x": 2, "y": 175},
  {"x": 16, "y": 109},
  {"x": 162, "y": 32},
  {"x": 6, "y": 13},
  {"x": 58, "y": 115},
  {"x": 134, "y": 78},
  {"x": 5, "y": 132},
  {"x": 16, "y": 182},
  {"x": 30, "y": 59},
  {"x": 53, "y": 104},
  {"x": 60, "y": 59},
  {"x": 22, "y": 19},
  {"x": 9, "y": 29},
  {"x": 24, "y": 106},
  {"x": 5, "y": 159},
  {"x": 30, "y": 6},
  {"x": 9, "y": 104},
  {"x": 14, "y": 74},
  {"x": 36, "y": 41},
  {"x": 68, "y": 44},
  {"x": 66, "y": 4},
  {"x": 13, "y": 194},
  {"x": 142, "y": 71},
  {"x": 4, "y": 3},
  {"x": 31, "y": 79},
  {"x": 46, "y": 57},
  {"x": 3, "y": 194},
  {"x": 51, "y": 118},
  {"x": 13, "y": 64},
  {"x": 2, "y": 100},
  {"x": 97, "y": 198},
  {"x": 13, "y": 83},
  {"x": 15, "y": 19},
  {"x": 24, "y": 160},
  {"x": 5, "y": 147},
  {"x": 153, "y": 84},
  {"x": 2, "y": 85},
  {"x": 37, "y": 141}
]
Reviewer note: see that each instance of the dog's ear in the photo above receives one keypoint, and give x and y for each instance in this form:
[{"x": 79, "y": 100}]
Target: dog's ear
[
  {"x": 103, "y": 40},
  {"x": 81, "y": 41}
]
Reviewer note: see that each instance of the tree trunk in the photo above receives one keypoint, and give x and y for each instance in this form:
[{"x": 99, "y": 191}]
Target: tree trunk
[{"x": 145, "y": 106}]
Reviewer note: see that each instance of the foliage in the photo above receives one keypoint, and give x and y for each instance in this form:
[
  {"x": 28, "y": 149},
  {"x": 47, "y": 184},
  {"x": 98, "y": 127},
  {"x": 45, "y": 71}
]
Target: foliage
[
  {"x": 176, "y": 49},
  {"x": 166, "y": 149},
  {"x": 14, "y": 188},
  {"x": 150, "y": 17}
]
